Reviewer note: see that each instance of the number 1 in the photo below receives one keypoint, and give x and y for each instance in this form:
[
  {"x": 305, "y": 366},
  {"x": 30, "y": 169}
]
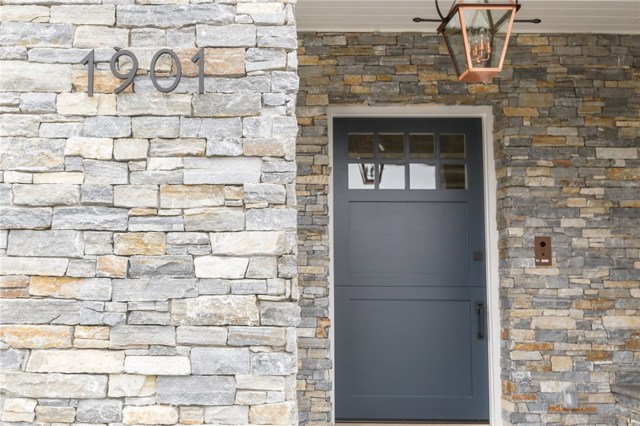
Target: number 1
[
  {"x": 90, "y": 60},
  {"x": 199, "y": 59}
]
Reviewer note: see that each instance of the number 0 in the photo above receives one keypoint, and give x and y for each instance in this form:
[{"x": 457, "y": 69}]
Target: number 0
[{"x": 176, "y": 81}]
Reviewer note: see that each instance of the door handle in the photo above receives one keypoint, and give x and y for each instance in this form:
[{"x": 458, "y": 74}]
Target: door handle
[{"x": 480, "y": 312}]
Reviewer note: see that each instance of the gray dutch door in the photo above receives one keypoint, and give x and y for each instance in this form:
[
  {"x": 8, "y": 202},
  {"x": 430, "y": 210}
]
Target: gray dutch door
[{"x": 410, "y": 283}]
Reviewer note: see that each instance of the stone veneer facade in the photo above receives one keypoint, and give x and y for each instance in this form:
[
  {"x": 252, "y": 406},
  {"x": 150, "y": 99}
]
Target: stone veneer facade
[
  {"x": 567, "y": 150},
  {"x": 148, "y": 239}
]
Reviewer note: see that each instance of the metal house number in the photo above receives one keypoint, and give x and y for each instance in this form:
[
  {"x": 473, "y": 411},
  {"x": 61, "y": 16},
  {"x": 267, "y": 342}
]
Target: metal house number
[{"x": 128, "y": 77}]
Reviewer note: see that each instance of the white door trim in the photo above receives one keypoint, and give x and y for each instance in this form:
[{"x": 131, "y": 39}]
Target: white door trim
[{"x": 491, "y": 230}]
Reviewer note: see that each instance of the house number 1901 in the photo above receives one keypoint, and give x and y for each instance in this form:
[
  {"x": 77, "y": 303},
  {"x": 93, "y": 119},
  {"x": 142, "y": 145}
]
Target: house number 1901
[{"x": 128, "y": 77}]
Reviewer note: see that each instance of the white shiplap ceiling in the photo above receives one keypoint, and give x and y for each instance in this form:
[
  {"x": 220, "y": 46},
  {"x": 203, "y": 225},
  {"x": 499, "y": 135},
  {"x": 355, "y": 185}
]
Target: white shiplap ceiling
[{"x": 558, "y": 16}]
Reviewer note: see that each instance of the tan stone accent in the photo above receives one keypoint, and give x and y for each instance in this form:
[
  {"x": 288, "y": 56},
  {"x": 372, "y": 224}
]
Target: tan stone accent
[
  {"x": 103, "y": 82},
  {"x": 150, "y": 415},
  {"x": 218, "y": 62},
  {"x": 112, "y": 266},
  {"x": 142, "y": 243},
  {"x": 36, "y": 336}
]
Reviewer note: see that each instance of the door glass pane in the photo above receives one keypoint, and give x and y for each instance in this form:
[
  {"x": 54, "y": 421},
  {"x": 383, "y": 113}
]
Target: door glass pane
[
  {"x": 421, "y": 146},
  {"x": 454, "y": 176},
  {"x": 422, "y": 176},
  {"x": 453, "y": 146},
  {"x": 360, "y": 145},
  {"x": 361, "y": 176},
  {"x": 391, "y": 146},
  {"x": 391, "y": 176}
]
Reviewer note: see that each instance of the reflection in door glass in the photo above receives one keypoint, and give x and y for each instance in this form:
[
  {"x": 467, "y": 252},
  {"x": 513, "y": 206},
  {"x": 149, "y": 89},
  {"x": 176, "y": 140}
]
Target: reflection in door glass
[
  {"x": 453, "y": 147},
  {"x": 421, "y": 146},
  {"x": 391, "y": 176},
  {"x": 391, "y": 146},
  {"x": 360, "y": 145},
  {"x": 454, "y": 176},
  {"x": 422, "y": 176},
  {"x": 362, "y": 176}
]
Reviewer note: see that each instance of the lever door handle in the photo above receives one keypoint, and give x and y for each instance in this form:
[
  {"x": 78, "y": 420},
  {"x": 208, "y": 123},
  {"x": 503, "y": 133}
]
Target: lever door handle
[{"x": 482, "y": 318}]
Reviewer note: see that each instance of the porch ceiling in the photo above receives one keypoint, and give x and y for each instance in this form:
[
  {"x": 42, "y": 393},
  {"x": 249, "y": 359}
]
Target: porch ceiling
[{"x": 558, "y": 16}]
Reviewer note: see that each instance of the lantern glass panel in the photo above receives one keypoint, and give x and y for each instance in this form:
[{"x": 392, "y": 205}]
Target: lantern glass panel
[{"x": 487, "y": 35}]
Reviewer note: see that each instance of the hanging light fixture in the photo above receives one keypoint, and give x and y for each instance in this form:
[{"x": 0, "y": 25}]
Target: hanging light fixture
[{"x": 477, "y": 33}]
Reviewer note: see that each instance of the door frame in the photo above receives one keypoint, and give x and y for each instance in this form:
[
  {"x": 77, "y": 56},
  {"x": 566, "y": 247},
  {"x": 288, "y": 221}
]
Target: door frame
[{"x": 485, "y": 113}]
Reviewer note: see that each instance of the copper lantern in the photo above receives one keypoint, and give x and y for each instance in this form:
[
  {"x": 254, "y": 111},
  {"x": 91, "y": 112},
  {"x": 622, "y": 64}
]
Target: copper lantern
[{"x": 477, "y": 35}]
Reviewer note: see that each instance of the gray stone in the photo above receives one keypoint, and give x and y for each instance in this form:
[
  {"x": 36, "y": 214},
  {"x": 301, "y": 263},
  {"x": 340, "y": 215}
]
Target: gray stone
[
  {"x": 215, "y": 310},
  {"x": 273, "y": 364},
  {"x": 39, "y": 311},
  {"x": 33, "y": 154},
  {"x": 285, "y": 127},
  {"x": 27, "y": 77},
  {"x": 38, "y": 103},
  {"x": 33, "y": 385},
  {"x": 214, "y": 286},
  {"x": 224, "y": 147},
  {"x": 84, "y": 15},
  {"x": 250, "y": 84},
  {"x": 57, "y": 56},
  {"x": 188, "y": 238},
  {"x": 159, "y": 289},
  {"x": 153, "y": 104},
  {"x": 184, "y": 147},
  {"x": 136, "y": 196},
  {"x": 248, "y": 286},
  {"x": 19, "y": 125},
  {"x": 90, "y": 218},
  {"x": 187, "y": 335},
  {"x": 161, "y": 266},
  {"x": 271, "y": 219},
  {"x": 232, "y": 415},
  {"x": 25, "y": 218},
  {"x": 196, "y": 390},
  {"x": 168, "y": 16},
  {"x": 106, "y": 172},
  {"x": 12, "y": 359},
  {"x": 277, "y": 165},
  {"x": 156, "y": 223},
  {"x": 284, "y": 81},
  {"x": 156, "y": 127},
  {"x": 219, "y": 361},
  {"x": 287, "y": 266},
  {"x": 132, "y": 336},
  {"x": 6, "y": 195},
  {"x": 266, "y": 59},
  {"x": 60, "y": 130},
  {"x": 33, "y": 34},
  {"x": 257, "y": 243},
  {"x": 281, "y": 37},
  {"x": 283, "y": 314},
  {"x": 256, "y": 336},
  {"x": 214, "y": 219},
  {"x": 222, "y": 170},
  {"x": 13, "y": 53},
  {"x": 99, "y": 411},
  {"x": 262, "y": 267},
  {"x": 156, "y": 177},
  {"x": 236, "y": 35},
  {"x": 227, "y": 105},
  {"x": 81, "y": 268},
  {"x": 97, "y": 194},
  {"x": 148, "y": 318},
  {"x": 46, "y": 243},
  {"x": 107, "y": 127},
  {"x": 218, "y": 128},
  {"x": 46, "y": 194},
  {"x": 148, "y": 37}
]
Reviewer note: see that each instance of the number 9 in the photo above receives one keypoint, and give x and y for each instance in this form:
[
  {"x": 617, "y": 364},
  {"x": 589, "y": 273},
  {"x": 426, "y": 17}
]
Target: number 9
[{"x": 128, "y": 77}]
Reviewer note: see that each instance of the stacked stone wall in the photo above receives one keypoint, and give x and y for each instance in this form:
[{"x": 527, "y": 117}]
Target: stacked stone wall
[
  {"x": 567, "y": 149},
  {"x": 148, "y": 239}
]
